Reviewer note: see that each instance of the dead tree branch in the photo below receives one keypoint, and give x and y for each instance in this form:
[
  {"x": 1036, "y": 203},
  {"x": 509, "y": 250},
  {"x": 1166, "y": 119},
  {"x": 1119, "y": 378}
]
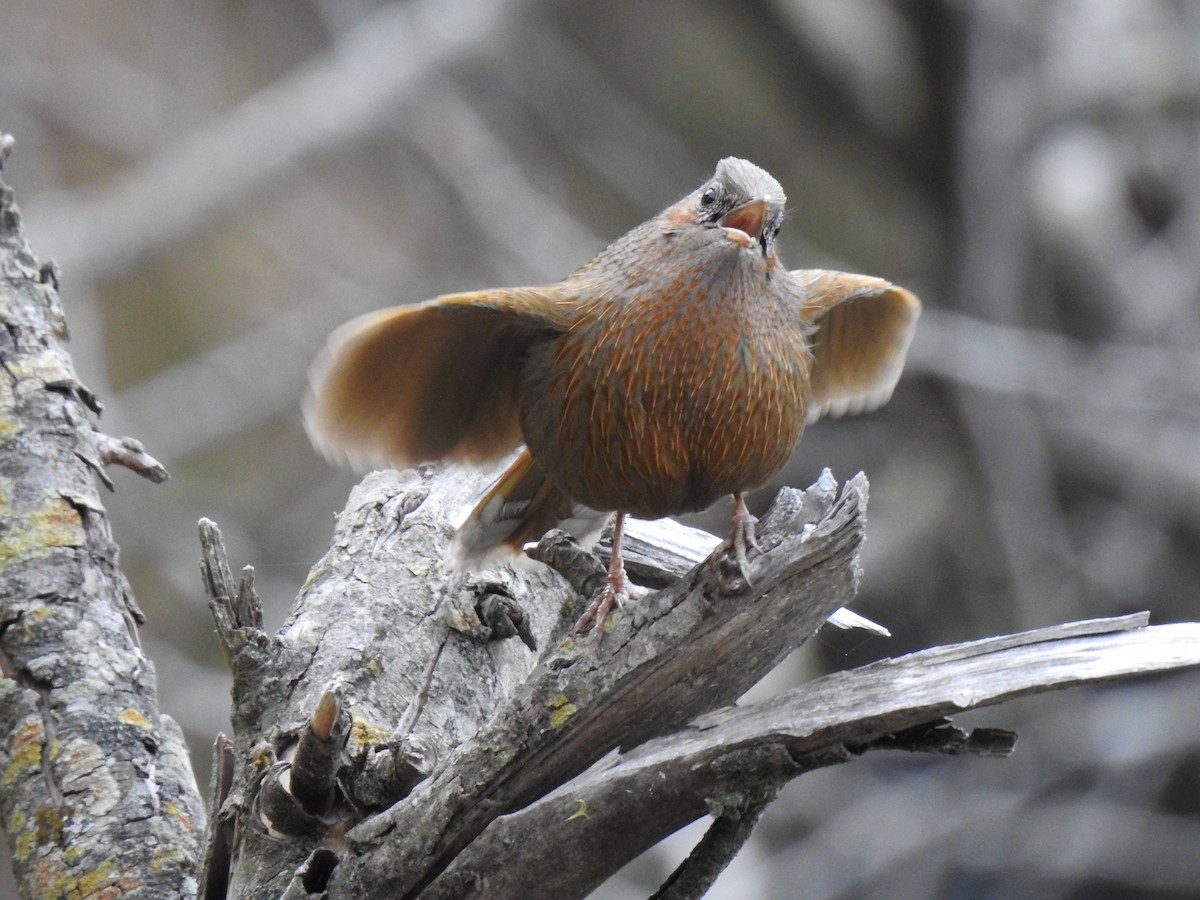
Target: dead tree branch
[{"x": 513, "y": 761}]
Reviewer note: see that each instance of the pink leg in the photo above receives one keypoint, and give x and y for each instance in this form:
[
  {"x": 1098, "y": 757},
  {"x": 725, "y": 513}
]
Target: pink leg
[
  {"x": 614, "y": 593},
  {"x": 741, "y": 535}
]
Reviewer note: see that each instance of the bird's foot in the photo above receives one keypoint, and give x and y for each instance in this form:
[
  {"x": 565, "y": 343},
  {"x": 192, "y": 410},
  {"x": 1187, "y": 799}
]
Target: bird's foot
[
  {"x": 741, "y": 538},
  {"x": 616, "y": 590},
  {"x": 734, "y": 550},
  {"x": 598, "y": 610}
]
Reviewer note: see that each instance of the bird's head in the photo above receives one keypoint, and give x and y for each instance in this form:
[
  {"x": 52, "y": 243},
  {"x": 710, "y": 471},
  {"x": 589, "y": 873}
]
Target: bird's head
[{"x": 741, "y": 200}]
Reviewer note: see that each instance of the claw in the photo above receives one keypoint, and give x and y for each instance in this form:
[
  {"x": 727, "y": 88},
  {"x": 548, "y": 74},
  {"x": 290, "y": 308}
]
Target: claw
[
  {"x": 599, "y": 608},
  {"x": 615, "y": 592},
  {"x": 741, "y": 538}
]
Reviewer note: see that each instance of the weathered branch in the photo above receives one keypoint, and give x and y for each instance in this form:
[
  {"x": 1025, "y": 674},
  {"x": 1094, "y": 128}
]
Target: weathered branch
[
  {"x": 726, "y": 758},
  {"x": 98, "y": 794},
  {"x": 381, "y": 624},
  {"x": 482, "y": 725},
  {"x": 472, "y": 765},
  {"x": 674, "y": 655},
  {"x": 730, "y": 829}
]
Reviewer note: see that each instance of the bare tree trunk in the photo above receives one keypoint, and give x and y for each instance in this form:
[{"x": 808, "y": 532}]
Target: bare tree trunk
[{"x": 97, "y": 791}]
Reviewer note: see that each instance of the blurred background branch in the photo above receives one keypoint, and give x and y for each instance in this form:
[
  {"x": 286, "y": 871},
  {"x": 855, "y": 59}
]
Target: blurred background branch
[{"x": 1032, "y": 169}]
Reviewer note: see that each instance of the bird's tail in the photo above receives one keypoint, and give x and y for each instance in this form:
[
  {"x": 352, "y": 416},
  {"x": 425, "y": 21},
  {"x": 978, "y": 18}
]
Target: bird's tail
[{"x": 519, "y": 508}]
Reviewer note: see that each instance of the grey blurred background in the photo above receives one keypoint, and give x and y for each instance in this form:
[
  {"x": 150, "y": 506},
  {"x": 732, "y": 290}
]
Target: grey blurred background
[{"x": 223, "y": 183}]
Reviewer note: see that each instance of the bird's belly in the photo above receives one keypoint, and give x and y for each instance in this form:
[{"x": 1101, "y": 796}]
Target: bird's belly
[{"x": 666, "y": 433}]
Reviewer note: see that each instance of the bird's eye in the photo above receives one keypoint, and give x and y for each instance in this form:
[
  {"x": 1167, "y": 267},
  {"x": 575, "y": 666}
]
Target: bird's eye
[{"x": 709, "y": 197}]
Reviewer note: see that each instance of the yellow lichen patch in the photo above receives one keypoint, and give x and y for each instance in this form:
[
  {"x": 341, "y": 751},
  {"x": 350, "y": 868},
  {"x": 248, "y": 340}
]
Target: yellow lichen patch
[
  {"x": 26, "y": 751},
  {"x": 131, "y": 716},
  {"x": 261, "y": 756},
  {"x": 23, "y": 840},
  {"x": 54, "y": 523},
  {"x": 91, "y": 882},
  {"x": 364, "y": 733},
  {"x": 563, "y": 710},
  {"x": 24, "y": 844},
  {"x": 581, "y": 812}
]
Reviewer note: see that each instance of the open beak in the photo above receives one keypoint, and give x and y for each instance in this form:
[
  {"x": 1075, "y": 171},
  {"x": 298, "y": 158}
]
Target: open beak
[{"x": 744, "y": 224}]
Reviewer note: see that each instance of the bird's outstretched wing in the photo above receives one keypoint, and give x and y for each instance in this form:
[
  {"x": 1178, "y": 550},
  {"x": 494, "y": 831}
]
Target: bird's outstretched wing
[
  {"x": 437, "y": 380},
  {"x": 863, "y": 327}
]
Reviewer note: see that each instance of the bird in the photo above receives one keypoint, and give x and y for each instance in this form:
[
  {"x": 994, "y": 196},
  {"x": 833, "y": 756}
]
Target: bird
[{"x": 681, "y": 364}]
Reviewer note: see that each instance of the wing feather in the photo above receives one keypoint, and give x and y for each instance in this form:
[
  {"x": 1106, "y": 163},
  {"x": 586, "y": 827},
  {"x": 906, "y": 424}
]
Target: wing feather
[
  {"x": 863, "y": 327},
  {"x": 431, "y": 381}
]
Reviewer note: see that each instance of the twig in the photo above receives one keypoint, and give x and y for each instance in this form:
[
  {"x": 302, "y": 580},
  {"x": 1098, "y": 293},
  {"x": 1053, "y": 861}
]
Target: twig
[
  {"x": 130, "y": 453},
  {"x": 729, "y": 831}
]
